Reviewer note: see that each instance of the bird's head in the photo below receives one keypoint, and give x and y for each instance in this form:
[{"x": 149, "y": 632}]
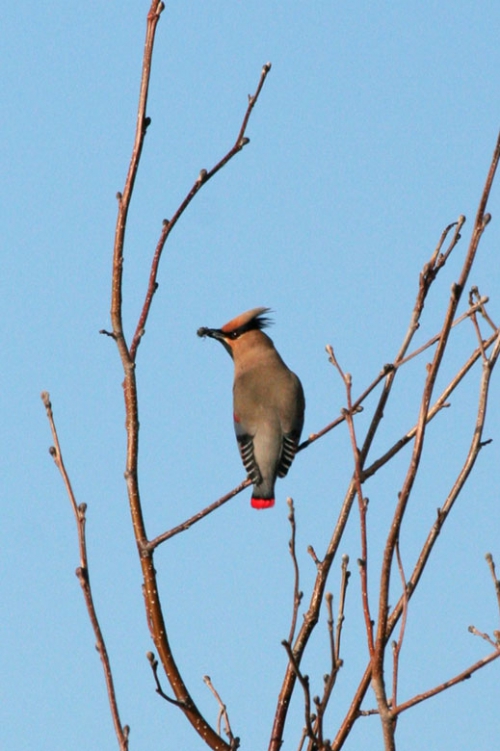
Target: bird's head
[{"x": 233, "y": 333}]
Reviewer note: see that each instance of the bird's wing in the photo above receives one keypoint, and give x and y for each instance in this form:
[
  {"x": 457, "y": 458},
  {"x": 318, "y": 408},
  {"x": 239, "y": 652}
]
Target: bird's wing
[
  {"x": 289, "y": 449},
  {"x": 246, "y": 447}
]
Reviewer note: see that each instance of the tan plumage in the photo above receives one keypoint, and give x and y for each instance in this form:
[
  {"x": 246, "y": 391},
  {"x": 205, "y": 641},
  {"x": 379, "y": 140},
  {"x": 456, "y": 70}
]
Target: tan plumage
[{"x": 268, "y": 402}]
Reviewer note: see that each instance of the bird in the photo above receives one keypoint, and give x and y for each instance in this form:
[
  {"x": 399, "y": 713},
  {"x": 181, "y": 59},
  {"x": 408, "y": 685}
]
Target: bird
[{"x": 268, "y": 402}]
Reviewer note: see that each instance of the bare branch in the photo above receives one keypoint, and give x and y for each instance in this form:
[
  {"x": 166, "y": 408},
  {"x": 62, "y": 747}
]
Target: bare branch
[
  {"x": 463, "y": 676},
  {"x": 297, "y": 594},
  {"x": 482, "y": 635},
  {"x": 496, "y": 582},
  {"x": 234, "y": 742},
  {"x": 168, "y": 225},
  {"x": 159, "y": 690},
  {"x": 330, "y": 678},
  {"x": 152, "y": 544},
  {"x": 443, "y": 512},
  {"x": 125, "y": 196},
  {"x": 304, "y": 682},
  {"x": 153, "y": 607},
  {"x": 397, "y": 645},
  {"x": 82, "y": 572},
  {"x": 390, "y": 368},
  {"x": 362, "y": 501},
  {"x": 340, "y": 615}
]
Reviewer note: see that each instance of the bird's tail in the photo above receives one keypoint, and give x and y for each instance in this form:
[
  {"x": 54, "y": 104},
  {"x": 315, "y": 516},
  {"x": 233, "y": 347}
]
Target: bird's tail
[{"x": 260, "y": 503}]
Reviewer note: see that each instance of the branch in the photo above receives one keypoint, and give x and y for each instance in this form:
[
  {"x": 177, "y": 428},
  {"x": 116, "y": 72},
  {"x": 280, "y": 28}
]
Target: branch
[
  {"x": 463, "y": 676},
  {"x": 82, "y": 572},
  {"x": 330, "y": 678},
  {"x": 304, "y": 682},
  {"x": 152, "y": 544},
  {"x": 168, "y": 225},
  {"x": 297, "y": 594},
  {"x": 496, "y": 582},
  {"x": 125, "y": 196},
  {"x": 159, "y": 690},
  {"x": 234, "y": 742},
  {"x": 362, "y": 501},
  {"x": 153, "y": 607},
  {"x": 356, "y": 407},
  {"x": 397, "y": 645}
]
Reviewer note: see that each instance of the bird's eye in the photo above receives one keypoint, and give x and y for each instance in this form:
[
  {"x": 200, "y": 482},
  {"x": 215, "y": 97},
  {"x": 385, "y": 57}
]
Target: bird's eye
[{"x": 233, "y": 335}]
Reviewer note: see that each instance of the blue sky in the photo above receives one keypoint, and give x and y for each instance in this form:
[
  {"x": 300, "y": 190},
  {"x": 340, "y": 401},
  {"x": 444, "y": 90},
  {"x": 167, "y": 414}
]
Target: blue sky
[{"x": 374, "y": 131}]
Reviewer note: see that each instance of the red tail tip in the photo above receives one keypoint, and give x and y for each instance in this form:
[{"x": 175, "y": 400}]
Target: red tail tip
[{"x": 261, "y": 503}]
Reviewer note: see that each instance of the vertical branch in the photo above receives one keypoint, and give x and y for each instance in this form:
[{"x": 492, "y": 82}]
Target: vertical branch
[
  {"x": 223, "y": 716},
  {"x": 340, "y": 615},
  {"x": 152, "y": 600},
  {"x": 397, "y": 645},
  {"x": 496, "y": 581},
  {"x": 304, "y": 682},
  {"x": 82, "y": 572},
  {"x": 297, "y": 594},
  {"x": 128, "y": 358},
  {"x": 125, "y": 196},
  {"x": 362, "y": 501},
  {"x": 330, "y": 678}
]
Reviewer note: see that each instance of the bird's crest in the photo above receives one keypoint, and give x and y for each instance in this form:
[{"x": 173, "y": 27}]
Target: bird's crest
[{"x": 252, "y": 319}]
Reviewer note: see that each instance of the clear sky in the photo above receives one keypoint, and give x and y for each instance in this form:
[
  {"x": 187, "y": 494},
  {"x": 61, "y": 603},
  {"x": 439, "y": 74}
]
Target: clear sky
[{"x": 374, "y": 131}]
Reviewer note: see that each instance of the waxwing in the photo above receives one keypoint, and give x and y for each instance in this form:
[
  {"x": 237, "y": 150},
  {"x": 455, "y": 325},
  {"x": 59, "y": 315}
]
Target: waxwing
[{"x": 268, "y": 402}]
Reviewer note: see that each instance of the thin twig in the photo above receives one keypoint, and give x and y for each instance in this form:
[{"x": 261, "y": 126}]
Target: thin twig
[
  {"x": 304, "y": 682},
  {"x": 125, "y": 196},
  {"x": 346, "y": 574},
  {"x": 302, "y": 739},
  {"x": 482, "y": 635},
  {"x": 463, "y": 676},
  {"x": 479, "y": 305},
  {"x": 356, "y": 406},
  {"x": 297, "y": 594},
  {"x": 496, "y": 582},
  {"x": 397, "y": 645},
  {"x": 362, "y": 501},
  {"x": 330, "y": 678},
  {"x": 223, "y": 715},
  {"x": 474, "y": 292},
  {"x": 152, "y": 544},
  {"x": 82, "y": 572},
  {"x": 159, "y": 690}
]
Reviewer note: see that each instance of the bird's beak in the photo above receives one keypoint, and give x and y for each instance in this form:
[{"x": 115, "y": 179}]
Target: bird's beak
[
  {"x": 213, "y": 333},
  {"x": 217, "y": 334}
]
